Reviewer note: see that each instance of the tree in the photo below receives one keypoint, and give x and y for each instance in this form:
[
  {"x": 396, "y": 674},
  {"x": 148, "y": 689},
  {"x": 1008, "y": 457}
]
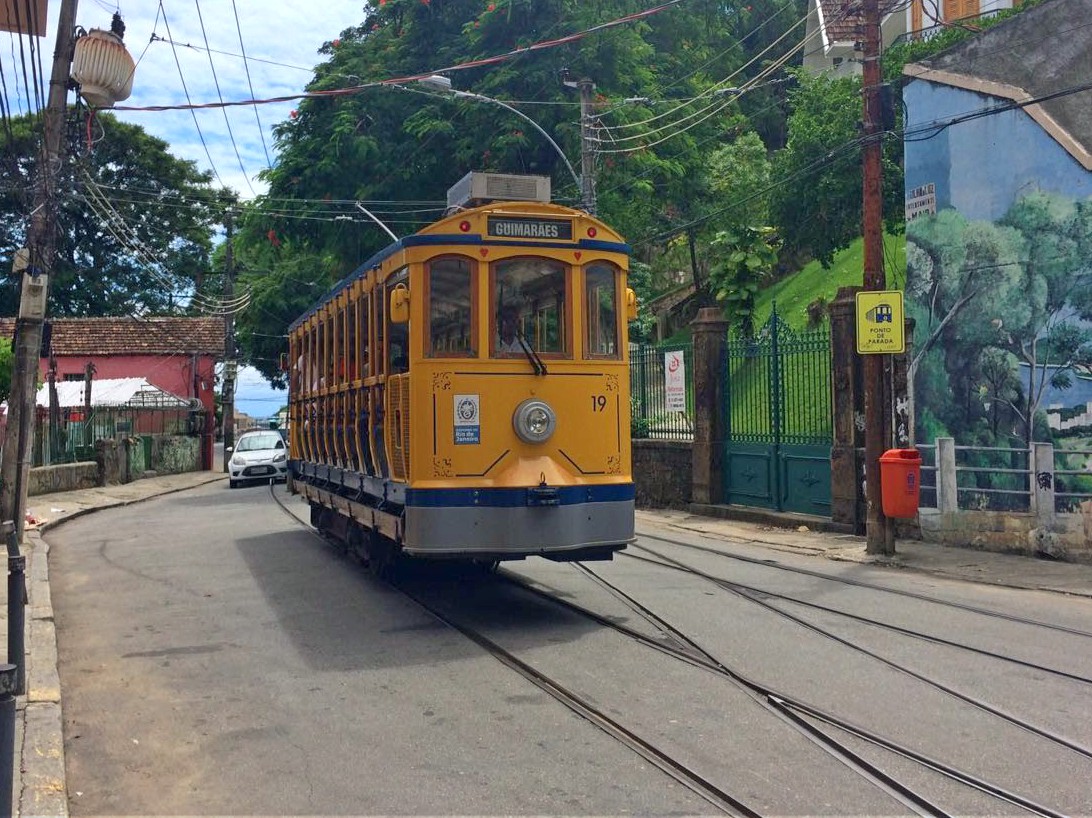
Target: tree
[
  {"x": 817, "y": 202},
  {"x": 387, "y": 145},
  {"x": 745, "y": 255},
  {"x": 135, "y": 224},
  {"x": 7, "y": 364}
]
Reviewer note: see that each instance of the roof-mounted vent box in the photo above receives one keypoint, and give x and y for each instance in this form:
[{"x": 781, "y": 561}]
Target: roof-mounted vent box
[{"x": 479, "y": 188}]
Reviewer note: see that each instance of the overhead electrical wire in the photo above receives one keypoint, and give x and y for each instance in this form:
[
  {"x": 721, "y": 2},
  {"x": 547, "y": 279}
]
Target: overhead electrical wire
[
  {"x": 186, "y": 91},
  {"x": 220, "y": 96},
  {"x": 115, "y": 224},
  {"x": 355, "y": 89},
  {"x": 250, "y": 83}
]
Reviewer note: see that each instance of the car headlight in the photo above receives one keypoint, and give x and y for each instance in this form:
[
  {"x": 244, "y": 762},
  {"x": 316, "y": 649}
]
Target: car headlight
[
  {"x": 278, "y": 458},
  {"x": 534, "y": 421},
  {"x": 238, "y": 461}
]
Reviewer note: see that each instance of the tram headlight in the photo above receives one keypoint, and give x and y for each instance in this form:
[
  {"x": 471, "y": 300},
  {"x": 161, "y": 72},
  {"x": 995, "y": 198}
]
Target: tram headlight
[{"x": 534, "y": 421}]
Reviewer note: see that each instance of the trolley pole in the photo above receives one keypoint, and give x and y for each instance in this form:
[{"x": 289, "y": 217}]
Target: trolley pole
[
  {"x": 587, "y": 149},
  {"x": 879, "y": 532},
  {"x": 229, "y": 344}
]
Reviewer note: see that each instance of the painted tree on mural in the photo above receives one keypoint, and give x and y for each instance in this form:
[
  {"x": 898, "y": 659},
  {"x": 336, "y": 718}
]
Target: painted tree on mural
[{"x": 1002, "y": 313}]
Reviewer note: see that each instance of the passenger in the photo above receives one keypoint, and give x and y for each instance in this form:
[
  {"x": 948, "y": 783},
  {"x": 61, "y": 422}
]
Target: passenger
[{"x": 508, "y": 335}]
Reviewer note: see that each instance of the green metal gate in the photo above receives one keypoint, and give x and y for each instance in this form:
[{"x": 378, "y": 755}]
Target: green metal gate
[{"x": 778, "y": 419}]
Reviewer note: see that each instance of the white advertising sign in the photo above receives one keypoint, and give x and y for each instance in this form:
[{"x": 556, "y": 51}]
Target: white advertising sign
[{"x": 675, "y": 381}]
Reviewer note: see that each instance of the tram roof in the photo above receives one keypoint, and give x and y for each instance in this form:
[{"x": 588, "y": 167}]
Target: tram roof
[{"x": 431, "y": 234}]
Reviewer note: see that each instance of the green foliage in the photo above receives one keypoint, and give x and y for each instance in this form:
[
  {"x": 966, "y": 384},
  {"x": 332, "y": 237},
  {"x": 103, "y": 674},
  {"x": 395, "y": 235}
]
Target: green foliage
[
  {"x": 817, "y": 205},
  {"x": 130, "y": 173},
  {"x": 387, "y": 144},
  {"x": 744, "y": 257},
  {"x": 7, "y": 365},
  {"x": 909, "y": 51},
  {"x": 799, "y": 294},
  {"x": 640, "y": 281}
]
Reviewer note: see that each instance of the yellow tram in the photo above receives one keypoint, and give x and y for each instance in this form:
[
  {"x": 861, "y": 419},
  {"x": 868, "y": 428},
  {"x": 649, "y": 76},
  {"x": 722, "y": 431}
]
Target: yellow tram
[{"x": 465, "y": 392}]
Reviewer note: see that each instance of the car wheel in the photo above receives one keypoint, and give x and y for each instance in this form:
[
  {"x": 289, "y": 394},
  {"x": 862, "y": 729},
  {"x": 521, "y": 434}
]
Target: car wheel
[{"x": 233, "y": 484}]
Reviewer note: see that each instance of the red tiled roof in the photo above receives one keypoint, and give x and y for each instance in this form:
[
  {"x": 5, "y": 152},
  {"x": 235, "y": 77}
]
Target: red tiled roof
[
  {"x": 132, "y": 336},
  {"x": 842, "y": 20}
]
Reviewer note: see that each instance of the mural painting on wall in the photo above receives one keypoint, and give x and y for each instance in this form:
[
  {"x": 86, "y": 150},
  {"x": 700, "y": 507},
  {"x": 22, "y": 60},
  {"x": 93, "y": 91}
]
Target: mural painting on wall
[{"x": 1003, "y": 330}]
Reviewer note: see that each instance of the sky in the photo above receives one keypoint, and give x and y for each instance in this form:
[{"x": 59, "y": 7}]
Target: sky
[{"x": 280, "y": 38}]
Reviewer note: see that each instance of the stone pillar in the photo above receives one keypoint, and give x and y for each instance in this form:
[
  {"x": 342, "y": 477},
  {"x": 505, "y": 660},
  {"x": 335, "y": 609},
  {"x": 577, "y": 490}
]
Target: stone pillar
[
  {"x": 1042, "y": 483},
  {"x": 846, "y": 487},
  {"x": 947, "y": 487},
  {"x": 710, "y": 333}
]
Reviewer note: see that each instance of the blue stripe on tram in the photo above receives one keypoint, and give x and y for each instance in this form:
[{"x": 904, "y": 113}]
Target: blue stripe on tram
[{"x": 515, "y": 497}]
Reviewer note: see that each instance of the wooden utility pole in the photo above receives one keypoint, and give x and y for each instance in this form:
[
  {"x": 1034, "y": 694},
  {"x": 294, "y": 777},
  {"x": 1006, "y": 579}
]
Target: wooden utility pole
[
  {"x": 878, "y": 529},
  {"x": 41, "y": 247},
  {"x": 228, "y": 392},
  {"x": 587, "y": 147}
]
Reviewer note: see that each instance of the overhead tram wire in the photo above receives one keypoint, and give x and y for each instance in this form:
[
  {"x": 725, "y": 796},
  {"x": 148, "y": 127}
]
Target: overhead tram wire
[
  {"x": 186, "y": 91},
  {"x": 250, "y": 84},
  {"x": 220, "y": 96}
]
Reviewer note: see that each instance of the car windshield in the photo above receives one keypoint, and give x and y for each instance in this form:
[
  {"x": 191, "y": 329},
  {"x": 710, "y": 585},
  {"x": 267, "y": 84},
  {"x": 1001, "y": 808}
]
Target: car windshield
[{"x": 254, "y": 443}]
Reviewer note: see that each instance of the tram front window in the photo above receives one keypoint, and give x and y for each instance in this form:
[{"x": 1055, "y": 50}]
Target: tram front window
[{"x": 529, "y": 307}]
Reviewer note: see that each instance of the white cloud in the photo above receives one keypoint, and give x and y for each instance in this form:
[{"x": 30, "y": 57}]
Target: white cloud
[
  {"x": 287, "y": 33},
  {"x": 281, "y": 39}
]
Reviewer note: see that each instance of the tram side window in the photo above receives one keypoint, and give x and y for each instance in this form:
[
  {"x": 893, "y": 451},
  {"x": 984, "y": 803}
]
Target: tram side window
[
  {"x": 365, "y": 341},
  {"x": 529, "y": 306},
  {"x": 352, "y": 373},
  {"x": 397, "y": 334},
  {"x": 450, "y": 309},
  {"x": 600, "y": 311}
]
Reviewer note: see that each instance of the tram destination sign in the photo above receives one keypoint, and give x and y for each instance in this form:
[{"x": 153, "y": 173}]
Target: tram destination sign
[{"x": 529, "y": 228}]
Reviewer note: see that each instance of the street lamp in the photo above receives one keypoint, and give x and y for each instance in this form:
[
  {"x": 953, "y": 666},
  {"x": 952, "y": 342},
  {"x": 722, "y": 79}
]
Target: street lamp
[{"x": 439, "y": 82}]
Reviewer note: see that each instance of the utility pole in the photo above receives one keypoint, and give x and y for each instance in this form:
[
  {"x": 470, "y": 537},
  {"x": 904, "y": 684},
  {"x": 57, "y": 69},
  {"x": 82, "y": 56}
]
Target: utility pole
[
  {"x": 41, "y": 247},
  {"x": 228, "y": 396},
  {"x": 88, "y": 379},
  {"x": 587, "y": 149},
  {"x": 879, "y": 533}
]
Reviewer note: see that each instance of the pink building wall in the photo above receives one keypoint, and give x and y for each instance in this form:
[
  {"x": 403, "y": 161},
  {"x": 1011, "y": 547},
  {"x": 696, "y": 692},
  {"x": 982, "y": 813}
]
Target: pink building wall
[{"x": 187, "y": 376}]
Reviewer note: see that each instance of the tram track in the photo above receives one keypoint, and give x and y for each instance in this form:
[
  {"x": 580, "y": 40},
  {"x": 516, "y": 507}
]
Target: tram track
[
  {"x": 766, "y": 563},
  {"x": 583, "y": 707},
  {"x": 734, "y": 588},
  {"x": 792, "y": 710},
  {"x": 925, "y": 637},
  {"x": 806, "y": 719}
]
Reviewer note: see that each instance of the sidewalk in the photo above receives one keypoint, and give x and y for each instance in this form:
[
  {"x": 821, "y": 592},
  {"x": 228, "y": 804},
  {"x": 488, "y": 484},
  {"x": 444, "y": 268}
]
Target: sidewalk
[{"x": 39, "y": 782}]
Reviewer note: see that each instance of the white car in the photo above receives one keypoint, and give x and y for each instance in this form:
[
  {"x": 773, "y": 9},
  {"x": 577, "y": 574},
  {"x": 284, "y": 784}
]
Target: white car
[{"x": 259, "y": 455}]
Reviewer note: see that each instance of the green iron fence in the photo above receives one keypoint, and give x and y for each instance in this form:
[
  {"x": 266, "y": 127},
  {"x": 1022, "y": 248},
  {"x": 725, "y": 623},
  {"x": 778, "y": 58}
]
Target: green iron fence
[
  {"x": 71, "y": 437},
  {"x": 651, "y": 417},
  {"x": 778, "y": 418}
]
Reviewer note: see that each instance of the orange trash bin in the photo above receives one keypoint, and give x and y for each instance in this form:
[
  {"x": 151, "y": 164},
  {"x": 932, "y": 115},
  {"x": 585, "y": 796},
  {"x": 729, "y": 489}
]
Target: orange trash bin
[{"x": 900, "y": 482}]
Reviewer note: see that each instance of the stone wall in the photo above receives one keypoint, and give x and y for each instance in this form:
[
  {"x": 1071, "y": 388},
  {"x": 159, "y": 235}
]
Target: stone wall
[
  {"x": 662, "y": 473},
  {"x": 65, "y": 477},
  {"x": 1068, "y": 537},
  {"x": 175, "y": 454}
]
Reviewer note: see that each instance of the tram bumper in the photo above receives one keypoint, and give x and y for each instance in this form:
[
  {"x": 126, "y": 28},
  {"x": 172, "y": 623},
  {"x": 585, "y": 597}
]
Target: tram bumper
[{"x": 517, "y": 522}]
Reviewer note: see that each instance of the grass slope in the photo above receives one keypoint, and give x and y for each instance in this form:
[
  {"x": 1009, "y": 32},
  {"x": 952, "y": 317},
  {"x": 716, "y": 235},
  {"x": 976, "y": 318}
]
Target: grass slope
[{"x": 794, "y": 292}]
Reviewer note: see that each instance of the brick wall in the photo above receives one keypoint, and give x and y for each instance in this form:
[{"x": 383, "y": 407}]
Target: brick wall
[{"x": 662, "y": 473}]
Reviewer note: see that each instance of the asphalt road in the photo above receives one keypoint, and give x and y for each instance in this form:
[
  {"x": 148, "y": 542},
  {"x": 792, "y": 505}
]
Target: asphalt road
[{"x": 218, "y": 658}]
